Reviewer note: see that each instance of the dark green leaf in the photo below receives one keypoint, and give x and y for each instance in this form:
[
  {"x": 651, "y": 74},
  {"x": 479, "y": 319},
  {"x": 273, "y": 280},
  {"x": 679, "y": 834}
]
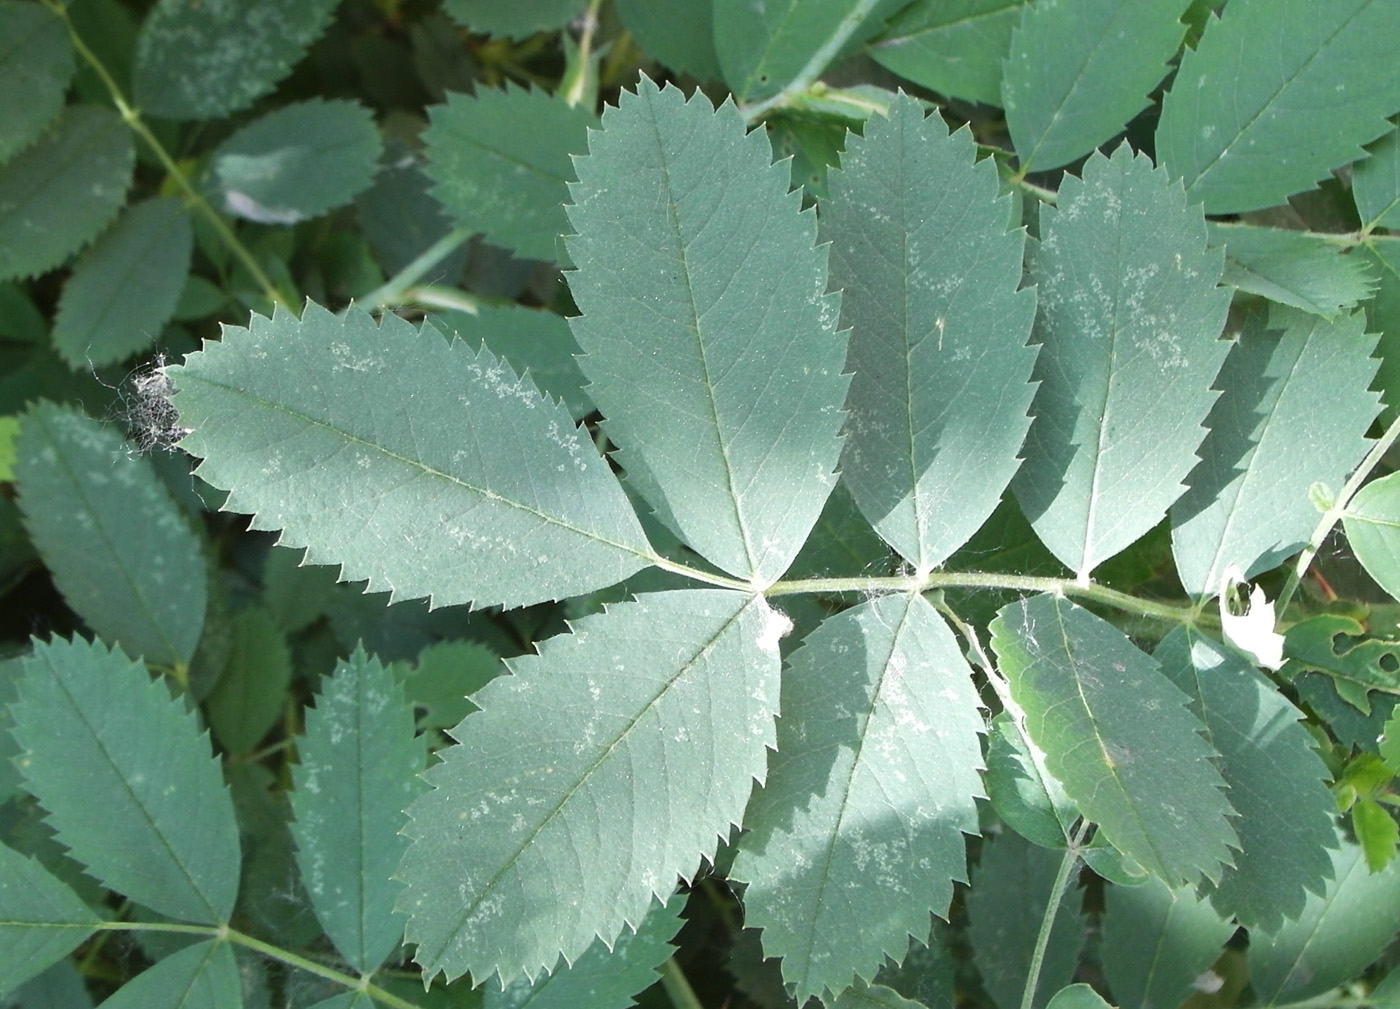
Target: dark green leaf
[
  {"x": 119, "y": 548},
  {"x": 507, "y": 182},
  {"x": 929, "y": 275},
  {"x": 1117, "y": 735},
  {"x": 1157, "y": 941},
  {"x": 679, "y": 33},
  {"x": 867, "y": 996},
  {"x": 205, "y": 60},
  {"x": 59, "y": 987},
  {"x": 1277, "y": 95},
  {"x": 125, "y": 288},
  {"x": 1372, "y": 523},
  {"x": 1376, "y": 832},
  {"x": 58, "y": 193},
  {"x": 41, "y": 920},
  {"x": 709, "y": 340},
  {"x": 359, "y": 770},
  {"x": 515, "y": 19},
  {"x": 445, "y": 676},
  {"x": 36, "y": 64},
  {"x": 1130, "y": 320},
  {"x": 646, "y": 727},
  {"x": 1077, "y": 996},
  {"x": 841, "y": 543},
  {"x": 1340, "y": 647},
  {"x": 1032, "y": 803},
  {"x": 1078, "y": 70},
  {"x": 202, "y": 976},
  {"x": 1383, "y": 317},
  {"x": 1277, "y": 782},
  {"x": 247, "y": 700},
  {"x": 955, "y": 47},
  {"x": 308, "y": 424},
  {"x": 1293, "y": 268},
  {"x": 298, "y": 162},
  {"x": 1375, "y": 184},
  {"x": 868, "y": 797},
  {"x": 92, "y": 722}
]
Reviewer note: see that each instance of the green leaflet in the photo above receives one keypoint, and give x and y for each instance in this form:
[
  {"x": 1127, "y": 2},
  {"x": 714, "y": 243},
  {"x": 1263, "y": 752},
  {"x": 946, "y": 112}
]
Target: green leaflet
[
  {"x": 602, "y": 978},
  {"x": 1335, "y": 937},
  {"x": 955, "y": 47},
  {"x": 41, "y": 919},
  {"x": 203, "y": 975},
  {"x": 1340, "y": 647},
  {"x": 710, "y": 344},
  {"x": 298, "y": 162},
  {"x": 359, "y": 770},
  {"x": 59, "y": 987},
  {"x": 516, "y": 19},
  {"x": 1011, "y": 887},
  {"x": 121, "y": 551},
  {"x": 1375, "y": 184},
  {"x": 679, "y": 33},
  {"x": 1293, "y": 268},
  {"x": 1277, "y": 781},
  {"x": 58, "y": 193},
  {"x": 929, "y": 278},
  {"x": 1078, "y": 70},
  {"x": 248, "y": 698},
  {"x": 1077, "y": 996},
  {"x": 36, "y": 64},
  {"x": 763, "y": 47},
  {"x": 319, "y": 427},
  {"x": 506, "y": 182},
  {"x": 1372, "y": 523},
  {"x": 1031, "y": 803},
  {"x": 445, "y": 676},
  {"x": 1129, "y": 323},
  {"x": 1277, "y": 95},
  {"x": 92, "y": 722},
  {"x": 1148, "y": 782},
  {"x": 868, "y": 796},
  {"x": 867, "y": 996},
  {"x": 1157, "y": 941},
  {"x": 646, "y": 726},
  {"x": 1248, "y": 502},
  {"x": 205, "y": 60},
  {"x": 125, "y": 288}
]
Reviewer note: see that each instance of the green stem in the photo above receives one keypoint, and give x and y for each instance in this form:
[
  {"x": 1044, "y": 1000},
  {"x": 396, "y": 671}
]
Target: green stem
[
  {"x": 678, "y": 987},
  {"x": 395, "y": 291},
  {"x": 132, "y": 117},
  {"x": 1052, "y": 909},
  {"x": 1332, "y": 515},
  {"x": 820, "y": 60},
  {"x": 576, "y": 90}
]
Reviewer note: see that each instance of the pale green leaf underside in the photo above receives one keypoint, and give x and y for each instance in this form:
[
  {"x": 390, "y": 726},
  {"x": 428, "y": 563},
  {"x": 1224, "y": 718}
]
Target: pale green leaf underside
[
  {"x": 1276, "y": 781},
  {"x": 709, "y": 340},
  {"x": 92, "y": 722},
  {"x": 1375, "y": 184},
  {"x": 36, "y": 64},
  {"x": 119, "y": 548},
  {"x": 1118, "y": 736},
  {"x": 1129, "y": 321},
  {"x": 494, "y": 176},
  {"x": 517, "y": 19},
  {"x": 358, "y": 771},
  {"x": 57, "y": 194},
  {"x": 954, "y": 47},
  {"x": 298, "y": 161},
  {"x": 125, "y": 288},
  {"x": 1277, "y": 95},
  {"x": 1157, "y": 941},
  {"x": 1078, "y": 70},
  {"x": 1293, "y": 268},
  {"x": 1247, "y": 503},
  {"x": 602, "y": 978},
  {"x": 41, "y": 919},
  {"x": 1372, "y": 523},
  {"x": 424, "y": 467},
  {"x": 591, "y": 779},
  {"x": 868, "y": 796},
  {"x": 1335, "y": 937},
  {"x": 204, "y": 975},
  {"x": 205, "y": 60},
  {"x": 939, "y": 398}
]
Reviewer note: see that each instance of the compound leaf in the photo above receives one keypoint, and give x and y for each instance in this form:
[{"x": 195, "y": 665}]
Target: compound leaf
[
  {"x": 205, "y": 60},
  {"x": 1375, "y": 184},
  {"x": 929, "y": 275},
  {"x": 93, "y": 722},
  {"x": 1157, "y": 941},
  {"x": 603, "y": 978},
  {"x": 57, "y": 194},
  {"x": 1293, "y": 268},
  {"x": 118, "y": 546},
  {"x": 36, "y": 64},
  {"x": 298, "y": 162},
  {"x": 602, "y": 770},
  {"x": 1129, "y": 322},
  {"x": 517, "y": 19},
  {"x": 709, "y": 340},
  {"x": 318, "y": 427},
  {"x": 1277, "y": 781},
  {"x": 359, "y": 769},
  {"x": 203, "y": 975},
  {"x": 1078, "y": 70},
  {"x": 41, "y": 919},
  {"x": 1372, "y": 523},
  {"x": 1247, "y": 503},
  {"x": 1277, "y": 95},
  {"x": 506, "y": 182},
  {"x": 1117, "y": 735},
  {"x": 125, "y": 288},
  {"x": 954, "y": 47},
  {"x": 868, "y": 796}
]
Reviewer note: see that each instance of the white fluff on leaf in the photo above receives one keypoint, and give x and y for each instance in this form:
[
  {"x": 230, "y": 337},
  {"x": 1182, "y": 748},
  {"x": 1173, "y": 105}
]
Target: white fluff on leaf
[{"x": 1252, "y": 631}]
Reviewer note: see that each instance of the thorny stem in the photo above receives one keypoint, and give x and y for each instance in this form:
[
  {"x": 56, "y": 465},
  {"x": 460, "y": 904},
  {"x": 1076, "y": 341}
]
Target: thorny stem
[
  {"x": 132, "y": 117},
  {"x": 673, "y": 979},
  {"x": 400, "y": 288},
  {"x": 1052, "y": 909}
]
